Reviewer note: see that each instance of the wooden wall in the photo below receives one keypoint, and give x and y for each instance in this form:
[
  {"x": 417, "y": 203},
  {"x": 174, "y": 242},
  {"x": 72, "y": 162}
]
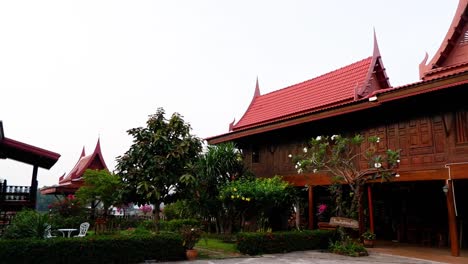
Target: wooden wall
[{"x": 430, "y": 130}]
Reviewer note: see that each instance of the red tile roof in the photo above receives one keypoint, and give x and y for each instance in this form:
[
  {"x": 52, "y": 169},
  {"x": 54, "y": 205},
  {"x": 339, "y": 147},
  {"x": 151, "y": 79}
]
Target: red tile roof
[
  {"x": 84, "y": 163},
  {"x": 440, "y": 62},
  {"x": 329, "y": 89}
]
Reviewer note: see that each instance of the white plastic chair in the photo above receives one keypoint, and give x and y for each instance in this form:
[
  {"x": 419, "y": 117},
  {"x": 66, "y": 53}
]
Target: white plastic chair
[
  {"x": 47, "y": 232},
  {"x": 83, "y": 229}
]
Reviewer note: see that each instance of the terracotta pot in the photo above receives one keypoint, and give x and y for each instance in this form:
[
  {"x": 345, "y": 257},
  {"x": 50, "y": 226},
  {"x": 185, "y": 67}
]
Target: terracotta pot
[
  {"x": 191, "y": 254},
  {"x": 368, "y": 243}
]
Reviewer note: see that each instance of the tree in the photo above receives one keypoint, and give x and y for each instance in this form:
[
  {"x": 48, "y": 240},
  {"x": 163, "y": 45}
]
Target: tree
[
  {"x": 161, "y": 153},
  {"x": 100, "y": 186},
  {"x": 256, "y": 198},
  {"x": 218, "y": 166},
  {"x": 341, "y": 158}
]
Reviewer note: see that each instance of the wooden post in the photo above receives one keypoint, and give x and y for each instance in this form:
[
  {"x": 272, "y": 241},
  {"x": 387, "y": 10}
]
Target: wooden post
[
  {"x": 311, "y": 207},
  {"x": 371, "y": 209},
  {"x": 33, "y": 190},
  {"x": 452, "y": 221}
]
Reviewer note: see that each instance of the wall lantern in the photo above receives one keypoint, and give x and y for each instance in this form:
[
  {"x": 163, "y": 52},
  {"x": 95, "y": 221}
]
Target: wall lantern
[{"x": 445, "y": 189}]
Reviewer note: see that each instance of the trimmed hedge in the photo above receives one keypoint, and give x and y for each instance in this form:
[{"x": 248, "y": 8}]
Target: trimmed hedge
[
  {"x": 176, "y": 224},
  {"x": 94, "y": 249},
  {"x": 279, "y": 242}
]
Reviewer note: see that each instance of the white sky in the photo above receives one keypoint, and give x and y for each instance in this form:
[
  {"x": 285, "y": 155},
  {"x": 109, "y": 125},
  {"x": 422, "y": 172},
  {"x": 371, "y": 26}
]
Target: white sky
[{"x": 71, "y": 71}]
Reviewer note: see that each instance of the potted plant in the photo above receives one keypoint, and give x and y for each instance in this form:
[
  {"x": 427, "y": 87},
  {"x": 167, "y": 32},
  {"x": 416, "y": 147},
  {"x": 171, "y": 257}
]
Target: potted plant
[
  {"x": 368, "y": 238},
  {"x": 190, "y": 236}
]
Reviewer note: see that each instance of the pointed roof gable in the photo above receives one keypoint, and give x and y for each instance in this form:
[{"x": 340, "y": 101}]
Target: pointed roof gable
[
  {"x": 346, "y": 84},
  {"x": 93, "y": 161},
  {"x": 452, "y": 56}
]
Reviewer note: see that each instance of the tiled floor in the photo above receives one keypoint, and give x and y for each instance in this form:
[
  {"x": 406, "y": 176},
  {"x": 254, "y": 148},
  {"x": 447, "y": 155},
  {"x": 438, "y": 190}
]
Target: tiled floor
[{"x": 414, "y": 251}]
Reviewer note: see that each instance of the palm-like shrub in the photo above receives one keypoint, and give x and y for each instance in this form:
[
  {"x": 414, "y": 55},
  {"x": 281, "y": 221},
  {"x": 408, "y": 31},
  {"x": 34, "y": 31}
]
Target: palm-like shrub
[{"x": 27, "y": 224}]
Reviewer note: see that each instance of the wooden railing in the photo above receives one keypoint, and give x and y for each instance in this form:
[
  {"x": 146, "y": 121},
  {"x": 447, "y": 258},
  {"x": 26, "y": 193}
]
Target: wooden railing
[{"x": 10, "y": 193}]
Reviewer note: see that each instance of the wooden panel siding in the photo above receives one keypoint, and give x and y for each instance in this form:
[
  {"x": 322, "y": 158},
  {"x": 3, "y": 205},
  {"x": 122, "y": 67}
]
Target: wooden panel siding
[{"x": 424, "y": 145}]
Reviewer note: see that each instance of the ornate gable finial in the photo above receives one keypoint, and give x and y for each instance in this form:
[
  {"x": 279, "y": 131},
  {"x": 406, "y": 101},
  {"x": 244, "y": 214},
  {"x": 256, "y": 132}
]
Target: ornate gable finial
[
  {"x": 83, "y": 153},
  {"x": 257, "y": 89},
  {"x": 231, "y": 125},
  {"x": 376, "y": 76},
  {"x": 97, "y": 149},
  {"x": 256, "y": 94},
  {"x": 423, "y": 67},
  {"x": 376, "y": 52}
]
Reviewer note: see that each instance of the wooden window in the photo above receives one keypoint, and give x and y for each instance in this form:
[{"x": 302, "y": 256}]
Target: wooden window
[
  {"x": 420, "y": 133},
  {"x": 462, "y": 126},
  {"x": 255, "y": 154}
]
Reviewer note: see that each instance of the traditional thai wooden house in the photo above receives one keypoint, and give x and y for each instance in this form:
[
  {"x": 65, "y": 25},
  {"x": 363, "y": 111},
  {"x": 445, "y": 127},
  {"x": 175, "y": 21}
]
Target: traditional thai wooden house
[
  {"x": 70, "y": 183},
  {"x": 427, "y": 120},
  {"x": 15, "y": 198}
]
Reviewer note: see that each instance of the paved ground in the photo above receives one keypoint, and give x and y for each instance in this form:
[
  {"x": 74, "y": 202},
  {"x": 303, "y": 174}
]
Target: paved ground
[{"x": 313, "y": 257}]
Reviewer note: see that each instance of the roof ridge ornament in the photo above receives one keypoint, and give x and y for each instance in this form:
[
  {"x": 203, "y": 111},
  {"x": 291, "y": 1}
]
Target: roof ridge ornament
[
  {"x": 231, "y": 125},
  {"x": 376, "y": 51},
  {"x": 83, "y": 153},
  {"x": 423, "y": 67},
  {"x": 377, "y": 71},
  {"x": 257, "y": 89}
]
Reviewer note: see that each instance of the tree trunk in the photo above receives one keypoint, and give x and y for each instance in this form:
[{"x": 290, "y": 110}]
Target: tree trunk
[{"x": 156, "y": 216}]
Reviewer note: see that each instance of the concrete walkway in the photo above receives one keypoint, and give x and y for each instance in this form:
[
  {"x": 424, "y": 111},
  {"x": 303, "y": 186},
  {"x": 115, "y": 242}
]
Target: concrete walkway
[{"x": 313, "y": 257}]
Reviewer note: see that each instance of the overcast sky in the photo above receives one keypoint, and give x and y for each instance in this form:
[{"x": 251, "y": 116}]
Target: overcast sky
[{"x": 73, "y": 71}]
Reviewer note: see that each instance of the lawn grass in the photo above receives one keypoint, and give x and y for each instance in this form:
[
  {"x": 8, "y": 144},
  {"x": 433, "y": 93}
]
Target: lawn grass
[{"x": 211, "y": 248}]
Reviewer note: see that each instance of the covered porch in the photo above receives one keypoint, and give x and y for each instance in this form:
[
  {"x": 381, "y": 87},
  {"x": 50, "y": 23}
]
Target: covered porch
[
  {"x": 13, "y": 197},
  {"x": 424, "y": 208}
]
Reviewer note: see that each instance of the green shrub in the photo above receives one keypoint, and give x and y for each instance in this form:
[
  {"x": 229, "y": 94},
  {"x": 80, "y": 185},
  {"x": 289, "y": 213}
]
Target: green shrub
[
  {"x": 95, "y": 249},
  {"x": 136, "y": 231},
  {"x": 279, "y": 242},
  {"x": 176, "y": 224},
  {"x": 124, "y": 223},
  {"x": 348, "y": 247},
  {"x": 147, "y": 224},
  {"x": 181, "y": 209},
  {"x": 27, "y": 224},
  {"x": 58, "y": 221}
]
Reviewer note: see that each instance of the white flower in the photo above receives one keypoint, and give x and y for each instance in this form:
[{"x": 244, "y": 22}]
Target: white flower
[
  {"x": 333, "y": 137},
  {"x": 318, "y": 138},
  {"x": 299, "y": 171},
  {"x": 378, "y": 140},
  {"x": 398, "y": 161},
  {"x": 290, "y": 156},
  {"x": 377, "y": 165},
  {"x": 315, "y": 170},
  {"x": 305, "y": 150},
  {"x": 296, "y": 166}
]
